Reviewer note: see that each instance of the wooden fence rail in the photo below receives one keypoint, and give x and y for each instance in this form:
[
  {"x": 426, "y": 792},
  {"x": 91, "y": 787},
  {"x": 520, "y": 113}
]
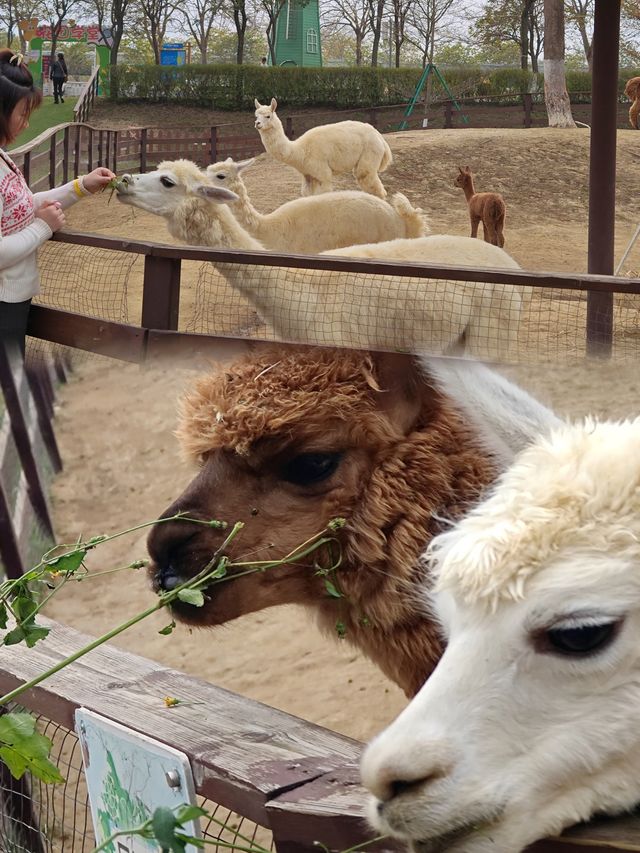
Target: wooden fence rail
[{"x": 297, "y": 779}]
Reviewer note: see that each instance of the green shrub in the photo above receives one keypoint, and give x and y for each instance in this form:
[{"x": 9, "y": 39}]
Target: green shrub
[{"x": 234, "y": 87}]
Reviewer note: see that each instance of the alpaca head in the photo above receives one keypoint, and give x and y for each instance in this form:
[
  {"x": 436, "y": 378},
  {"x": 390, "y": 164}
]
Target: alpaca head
[
  {"x": 286, "y": 441},
  {"x": 226, "y": 174},
  {"x": 632, "y": 88},
  {"x": 266, "y": 117},
  {"x": 463, "y": 177},
  {"x": 169, "y": 187},
  {"x": 530, "y": 722}
]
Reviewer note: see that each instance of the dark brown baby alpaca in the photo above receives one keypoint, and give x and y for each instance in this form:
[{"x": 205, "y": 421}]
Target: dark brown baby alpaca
[{"x": 488, "y": 208}]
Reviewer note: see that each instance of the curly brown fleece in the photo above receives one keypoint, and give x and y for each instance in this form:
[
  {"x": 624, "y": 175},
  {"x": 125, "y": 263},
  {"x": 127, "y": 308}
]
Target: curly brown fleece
[{"x": 419, "y": 463}]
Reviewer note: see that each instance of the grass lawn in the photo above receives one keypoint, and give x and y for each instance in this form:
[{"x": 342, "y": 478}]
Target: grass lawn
[{"x": 47, "y": 115}]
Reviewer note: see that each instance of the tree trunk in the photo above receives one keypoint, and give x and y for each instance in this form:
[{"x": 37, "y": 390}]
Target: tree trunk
[
  {"x": 524, "y": 37},
  {"x": 377, "y": 9},
  {"x": 358, "y": 49},
  {"x": 555, "y": 85},
  {"x": 240, "y": 20}
]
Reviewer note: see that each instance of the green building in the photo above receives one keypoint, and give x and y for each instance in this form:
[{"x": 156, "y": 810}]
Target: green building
[{"x": 298, "y": 34}]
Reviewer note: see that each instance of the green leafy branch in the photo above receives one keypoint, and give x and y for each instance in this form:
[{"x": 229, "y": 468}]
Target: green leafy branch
[
  {"x": 21, "y": 746},
  {"x": 167, "y": 829}
]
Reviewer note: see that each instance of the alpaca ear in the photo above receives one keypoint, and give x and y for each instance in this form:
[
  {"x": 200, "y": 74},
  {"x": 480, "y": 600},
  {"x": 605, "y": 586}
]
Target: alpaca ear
[
  {"x": 461, "y": 170},
  {"x": 229, "y": 160},
  {"x": 467, "y": 170},
  {"x": 274, "y": 105},
  {"x": 219, "y": 195},
  {"x": 242, "y": 164},
  {"x": 400, "y": 387},
  {"x": 256, "y": 103}
]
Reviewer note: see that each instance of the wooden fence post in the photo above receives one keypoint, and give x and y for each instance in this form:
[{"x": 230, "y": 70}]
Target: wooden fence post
[
  {"x": 143, "y": 150},
  {"x": 52, "y": 161},
  {"x": 90, "y": 151},
  {"x": 116, "y": 140},
  {"x": 448, "y": 114},
  {"x": 289, "y": 127},
  {"x": 76, "y": 153},
  {"x": 527, "y": 103},
  {"x": 65, "y": 156},
  {"x": 213, "y": 146},
  {"x": 161, "y": 292},
  {"x": 373, "y": 117},
  {"x": 100, "y": 139},
  {"x": 11, "y": 372},
  {"x": 26, "y": 166}
]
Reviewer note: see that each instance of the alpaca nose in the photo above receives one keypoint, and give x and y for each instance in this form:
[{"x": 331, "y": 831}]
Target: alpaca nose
[
  {"x": 164, "y": 544},
  {"x": 388, "y": 774}
]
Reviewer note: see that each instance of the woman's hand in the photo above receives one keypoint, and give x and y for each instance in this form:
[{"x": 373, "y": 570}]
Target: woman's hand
[
  {"x": 52, "y": 213},
  {"x": 97, "y": 180}
]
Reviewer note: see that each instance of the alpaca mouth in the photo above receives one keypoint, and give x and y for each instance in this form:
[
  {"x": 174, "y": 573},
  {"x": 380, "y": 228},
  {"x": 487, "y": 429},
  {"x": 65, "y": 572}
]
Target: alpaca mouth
[{"x": 442, "y": 843}]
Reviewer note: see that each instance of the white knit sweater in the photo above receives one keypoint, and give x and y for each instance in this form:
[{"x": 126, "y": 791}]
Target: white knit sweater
[{"x": 21, "y": 233}]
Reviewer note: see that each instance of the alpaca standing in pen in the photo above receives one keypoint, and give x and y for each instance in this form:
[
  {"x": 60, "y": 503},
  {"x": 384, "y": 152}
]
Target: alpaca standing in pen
[
  {"x": 488, "y": 208},
  {"x": 326, "y": 151}
]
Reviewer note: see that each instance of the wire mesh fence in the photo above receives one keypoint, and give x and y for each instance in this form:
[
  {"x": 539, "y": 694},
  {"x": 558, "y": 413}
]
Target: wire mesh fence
[
  {"x": 40, "y": 818},
  {"x": 507, "y": 322}
]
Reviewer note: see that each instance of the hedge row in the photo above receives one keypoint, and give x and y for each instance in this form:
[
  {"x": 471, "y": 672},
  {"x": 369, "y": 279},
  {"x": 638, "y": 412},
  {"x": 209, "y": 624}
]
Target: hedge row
[{"x": 233, "y": 87}]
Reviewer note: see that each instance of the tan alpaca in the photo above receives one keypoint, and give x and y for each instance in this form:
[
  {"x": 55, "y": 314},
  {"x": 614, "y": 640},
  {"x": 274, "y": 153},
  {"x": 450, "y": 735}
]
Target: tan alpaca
[
  {"x": 488, "y": 208},
  {"x": 632, "y": 91}
]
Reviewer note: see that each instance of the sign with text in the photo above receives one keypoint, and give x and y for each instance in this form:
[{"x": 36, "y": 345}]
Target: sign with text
[{"x": 129, "y": 775}]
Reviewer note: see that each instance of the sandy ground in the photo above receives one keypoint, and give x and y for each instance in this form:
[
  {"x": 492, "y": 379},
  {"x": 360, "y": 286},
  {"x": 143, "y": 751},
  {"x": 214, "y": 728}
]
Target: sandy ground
[{"x": 115, "y": 421}]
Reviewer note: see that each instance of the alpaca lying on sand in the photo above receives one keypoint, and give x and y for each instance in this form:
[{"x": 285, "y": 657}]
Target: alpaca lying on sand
[
  {"x": 300, "y": 436},
  {"x": 317, "y": 223},
  {"x": 326, "y": 151}
]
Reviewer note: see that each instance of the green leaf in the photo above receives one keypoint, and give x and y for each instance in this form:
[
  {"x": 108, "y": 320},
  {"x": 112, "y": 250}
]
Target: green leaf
[
  {"x": 67, "y": 563},
  {"x": 331, "y": 589},
  {"x": 164, "y": 826},
  {"x": 24, "y": 607},
  {"x": 13, "y": 637},
  {"x": 168, "y": 629},
  {"x": 191, "y": 596},
  {"x": 341, "y": 629},
  {"x": 220, "y": 570},
  {"x": 23, "y": 748},
  {"x": 33, "y": 633},
  {"x": 187, "y": 813},
  {"x": 3, "y": 615}
]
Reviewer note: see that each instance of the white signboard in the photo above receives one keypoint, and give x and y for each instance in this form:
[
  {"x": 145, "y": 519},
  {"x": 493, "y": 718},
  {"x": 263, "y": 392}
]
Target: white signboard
[{"x": 129, "y": 775}]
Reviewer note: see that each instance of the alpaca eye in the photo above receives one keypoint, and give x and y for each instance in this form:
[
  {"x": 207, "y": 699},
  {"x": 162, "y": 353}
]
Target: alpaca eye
[
  {"x": 221, "y": 177},
  {"x": 310, "y": 468},
  {"x": 167, "y": 182},
  {"x": 582, "y": 640}
]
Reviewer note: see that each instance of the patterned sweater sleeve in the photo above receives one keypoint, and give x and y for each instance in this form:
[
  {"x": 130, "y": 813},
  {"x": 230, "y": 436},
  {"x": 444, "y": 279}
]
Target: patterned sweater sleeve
[
  {"x": 15, "y": 247},
  {"x": 67, "y": 194}
]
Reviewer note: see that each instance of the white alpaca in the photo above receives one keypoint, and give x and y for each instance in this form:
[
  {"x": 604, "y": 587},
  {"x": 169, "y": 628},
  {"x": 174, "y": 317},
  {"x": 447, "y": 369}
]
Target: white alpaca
[
  {"x": 171, "y": 191},
  {"x": 339, "y": 308},
  {"x": 531, "y": 720},
  {"x": 326, "y": 151},
  {"x": 316, "y": 223}
]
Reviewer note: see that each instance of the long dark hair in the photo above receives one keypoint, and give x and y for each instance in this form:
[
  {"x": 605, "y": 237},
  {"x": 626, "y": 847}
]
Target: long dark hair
[{"x": 16, "y": 84}]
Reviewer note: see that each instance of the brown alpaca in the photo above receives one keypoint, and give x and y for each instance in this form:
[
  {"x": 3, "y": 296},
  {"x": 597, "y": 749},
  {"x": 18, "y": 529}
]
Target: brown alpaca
[
  {"x": 289, "y": 439},
  {"x": 632, "y": 91},
  {"x": 488, "y": 208}
]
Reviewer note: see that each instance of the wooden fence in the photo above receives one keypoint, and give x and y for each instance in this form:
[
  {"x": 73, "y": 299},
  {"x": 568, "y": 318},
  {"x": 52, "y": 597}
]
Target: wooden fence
[
  {"x": 296, "y": 779},
  {"x": 28, "y": 459}
]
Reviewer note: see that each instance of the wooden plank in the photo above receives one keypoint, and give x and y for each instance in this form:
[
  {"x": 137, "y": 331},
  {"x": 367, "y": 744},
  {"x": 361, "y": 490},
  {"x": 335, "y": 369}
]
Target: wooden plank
[
  {"x": 582, "y": 282},
  {"x": 242, "y": 752},
  {"x": 161, "y": 292},
  {"x": 12, "y": 374},
  {"x": 103, "y": 337}
]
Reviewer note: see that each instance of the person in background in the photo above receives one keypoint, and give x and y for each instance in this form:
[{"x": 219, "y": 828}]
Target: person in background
[
  {"x": 263, "y": 61},
  {"x": 26, "y": 220},
  {"x": 59, "y": 75}
]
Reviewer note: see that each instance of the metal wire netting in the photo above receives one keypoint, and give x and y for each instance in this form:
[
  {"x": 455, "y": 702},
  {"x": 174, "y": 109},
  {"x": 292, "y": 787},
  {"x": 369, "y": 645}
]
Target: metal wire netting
[
  {"x": 39, "y": 818},
  {"x": 498, "y": 321}
]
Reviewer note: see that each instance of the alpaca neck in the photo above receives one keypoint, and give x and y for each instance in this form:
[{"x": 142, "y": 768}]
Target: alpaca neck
[
  {"x": 441, "y": 471},
  {"x": 235, "y": 234},
  {"x": 469, "y": 189},
  {"x": 200, "y": 223},
  {"x": 248, "y": 216},
  {"x": 275, "y": 140}
]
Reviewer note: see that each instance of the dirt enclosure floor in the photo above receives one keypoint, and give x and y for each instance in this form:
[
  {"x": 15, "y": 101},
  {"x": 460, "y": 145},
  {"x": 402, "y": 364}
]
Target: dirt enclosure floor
[{"x": 115, "y": 421}]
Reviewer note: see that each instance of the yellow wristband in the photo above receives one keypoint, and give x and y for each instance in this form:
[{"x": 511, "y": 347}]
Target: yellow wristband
[{"x": 79, "y": 189}]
